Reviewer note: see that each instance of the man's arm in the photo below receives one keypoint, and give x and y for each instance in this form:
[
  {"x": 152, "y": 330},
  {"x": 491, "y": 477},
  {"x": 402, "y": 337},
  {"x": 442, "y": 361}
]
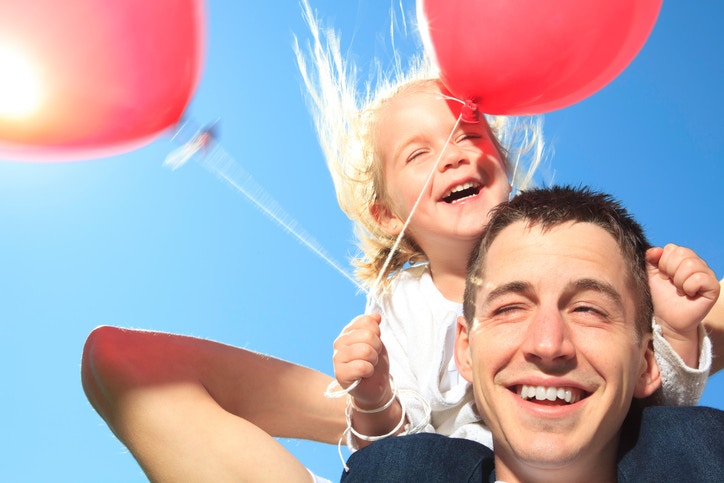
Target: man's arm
[{"x": 186, "y": 406}]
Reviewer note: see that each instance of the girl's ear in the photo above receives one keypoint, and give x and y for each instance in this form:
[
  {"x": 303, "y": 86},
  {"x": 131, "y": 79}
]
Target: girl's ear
[
  {"x": 650, "y": 376},
  {"x": 462, "y": 350},
  {"x": 387, "y": 220}
]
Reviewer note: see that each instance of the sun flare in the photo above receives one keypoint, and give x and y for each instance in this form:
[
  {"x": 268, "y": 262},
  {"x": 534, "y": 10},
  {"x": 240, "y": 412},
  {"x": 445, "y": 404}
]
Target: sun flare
[{"x": 19, "y": 84}]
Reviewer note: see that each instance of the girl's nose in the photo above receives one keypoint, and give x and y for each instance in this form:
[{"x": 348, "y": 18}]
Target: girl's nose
[{"x": 452, "y": 158}]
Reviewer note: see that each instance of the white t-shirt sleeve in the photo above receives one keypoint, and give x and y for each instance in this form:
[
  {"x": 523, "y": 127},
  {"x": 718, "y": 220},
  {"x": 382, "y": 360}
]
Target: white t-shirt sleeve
[{"x": 681, "y": 385}]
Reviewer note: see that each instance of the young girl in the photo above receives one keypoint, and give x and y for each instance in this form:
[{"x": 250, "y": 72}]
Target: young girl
[{"x": 191, "y": 409}]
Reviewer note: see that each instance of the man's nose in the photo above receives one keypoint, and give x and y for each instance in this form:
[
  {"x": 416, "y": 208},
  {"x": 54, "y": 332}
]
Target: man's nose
[{"x": 548, "y": 338}]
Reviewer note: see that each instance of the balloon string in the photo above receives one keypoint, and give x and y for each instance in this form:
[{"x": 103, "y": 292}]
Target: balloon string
[
  {"x": 398, "y": 240},
  {"x": 193, "y": 140},
  {"x": 199, "y": 143}
]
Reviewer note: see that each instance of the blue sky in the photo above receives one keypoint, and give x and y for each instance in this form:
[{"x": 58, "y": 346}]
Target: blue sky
[{"x": 125, "y": 241}]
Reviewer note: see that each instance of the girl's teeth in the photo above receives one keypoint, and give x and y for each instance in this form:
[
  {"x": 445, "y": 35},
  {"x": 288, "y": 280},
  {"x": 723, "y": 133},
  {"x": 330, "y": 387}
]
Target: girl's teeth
[
  {"x": 462, "y": 191},
  {"x": 460, "y": 188}
]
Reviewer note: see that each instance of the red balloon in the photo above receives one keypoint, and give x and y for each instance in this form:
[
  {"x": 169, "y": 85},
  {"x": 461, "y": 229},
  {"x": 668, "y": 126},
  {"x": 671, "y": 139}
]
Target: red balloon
[
  {"x": 91, "y": 78},
  {"x": 531, "y": 56}
]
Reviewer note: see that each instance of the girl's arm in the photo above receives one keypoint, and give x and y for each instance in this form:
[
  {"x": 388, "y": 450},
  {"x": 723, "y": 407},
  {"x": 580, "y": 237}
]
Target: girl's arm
[
  {"x": 714, "y": 324},
  {"x": 196, "y": 410},
  {"x": 684, "y": 290}
]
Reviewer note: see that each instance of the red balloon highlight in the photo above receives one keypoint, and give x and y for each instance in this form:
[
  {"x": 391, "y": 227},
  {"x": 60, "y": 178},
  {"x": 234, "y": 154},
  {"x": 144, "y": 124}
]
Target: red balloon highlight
[
  {"x": 530, "y": 56},
  {"x": 92, "y": 78}
]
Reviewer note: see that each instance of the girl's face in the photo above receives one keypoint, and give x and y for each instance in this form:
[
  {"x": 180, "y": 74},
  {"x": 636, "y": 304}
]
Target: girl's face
[{"x": 469, "y": 180}]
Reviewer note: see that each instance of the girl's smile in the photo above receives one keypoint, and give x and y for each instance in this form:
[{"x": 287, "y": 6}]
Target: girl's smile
[{"x": 417, "y": 133}]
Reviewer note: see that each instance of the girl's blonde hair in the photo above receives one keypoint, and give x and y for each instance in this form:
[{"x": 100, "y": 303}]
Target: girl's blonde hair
[{"x": 345, "y": 119}]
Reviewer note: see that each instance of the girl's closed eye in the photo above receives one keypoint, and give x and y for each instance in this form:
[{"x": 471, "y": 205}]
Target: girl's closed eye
[
  {"x": 416, "y": 155},
  {"x": 468, "y": 137}
]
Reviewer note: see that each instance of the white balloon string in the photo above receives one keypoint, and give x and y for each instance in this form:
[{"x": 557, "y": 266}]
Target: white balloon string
[
  {"x": 193, "y": 140},
  {"x": 400, "y": 236},
  {"x": 335, "y": 391}
]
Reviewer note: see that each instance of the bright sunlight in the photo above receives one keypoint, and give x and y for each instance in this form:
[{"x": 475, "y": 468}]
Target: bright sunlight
[{"x": 19, "y": 85}]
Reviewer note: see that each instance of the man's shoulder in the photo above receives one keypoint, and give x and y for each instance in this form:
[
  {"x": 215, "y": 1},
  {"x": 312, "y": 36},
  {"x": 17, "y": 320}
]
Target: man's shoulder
[
  {"x": 674, "y": 443},
  {"x": 689, "y": 416},
  {"x": 421, "y": 457}
]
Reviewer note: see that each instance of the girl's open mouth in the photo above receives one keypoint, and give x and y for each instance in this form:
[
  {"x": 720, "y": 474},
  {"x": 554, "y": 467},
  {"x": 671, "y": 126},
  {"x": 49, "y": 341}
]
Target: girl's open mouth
[{"x": 465, "y": 190}]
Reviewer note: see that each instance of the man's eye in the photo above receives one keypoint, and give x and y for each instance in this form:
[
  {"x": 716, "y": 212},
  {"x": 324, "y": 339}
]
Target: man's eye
[
  {"x": 507, "y": 309},
  {"x": 590, "y": 310}
]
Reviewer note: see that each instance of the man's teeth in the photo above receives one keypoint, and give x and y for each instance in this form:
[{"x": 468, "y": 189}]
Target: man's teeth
[{"x": 542, "y": 393}]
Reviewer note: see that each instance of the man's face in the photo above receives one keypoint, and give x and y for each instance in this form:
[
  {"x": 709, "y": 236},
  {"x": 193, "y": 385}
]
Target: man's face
[{"x": 553, "y": 355}]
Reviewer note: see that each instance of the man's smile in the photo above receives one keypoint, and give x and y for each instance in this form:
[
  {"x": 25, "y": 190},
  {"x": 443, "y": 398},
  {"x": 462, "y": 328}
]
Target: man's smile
[{"x": 569, "y": 395}]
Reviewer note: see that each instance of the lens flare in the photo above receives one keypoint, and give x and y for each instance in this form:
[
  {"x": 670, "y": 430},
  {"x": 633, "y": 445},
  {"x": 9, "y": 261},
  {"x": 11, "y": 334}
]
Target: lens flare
[{"x": 19, "y": 84}]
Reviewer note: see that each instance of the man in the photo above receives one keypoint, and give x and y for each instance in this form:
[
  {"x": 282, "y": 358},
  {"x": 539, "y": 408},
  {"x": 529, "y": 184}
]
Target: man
[{"x": 556, "y": 342}]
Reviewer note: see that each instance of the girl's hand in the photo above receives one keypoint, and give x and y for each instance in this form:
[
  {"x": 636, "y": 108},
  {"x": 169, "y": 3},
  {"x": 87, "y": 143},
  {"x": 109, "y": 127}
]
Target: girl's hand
[
  {"x": 684, "y": 289},
  {"x": 360, "y": 354}
]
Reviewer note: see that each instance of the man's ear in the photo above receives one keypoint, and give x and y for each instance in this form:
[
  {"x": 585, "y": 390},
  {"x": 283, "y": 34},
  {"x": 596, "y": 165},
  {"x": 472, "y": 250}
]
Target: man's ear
[
  {"x": 462, "y": 350},
  {"x": 649, "y": 376},
  {"x": 384, "y": 217}
]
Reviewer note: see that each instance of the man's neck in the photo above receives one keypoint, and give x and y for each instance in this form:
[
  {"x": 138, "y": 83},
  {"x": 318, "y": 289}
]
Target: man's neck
[{"x": 593, "y": 472}]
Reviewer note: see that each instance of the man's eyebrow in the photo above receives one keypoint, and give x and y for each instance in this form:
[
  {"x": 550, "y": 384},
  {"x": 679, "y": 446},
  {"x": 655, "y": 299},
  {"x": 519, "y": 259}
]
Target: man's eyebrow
[
  {"x": 578, "y": 285},
  {"x": 510, "y": 287},
  {"x": 598, "y": 286}
]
